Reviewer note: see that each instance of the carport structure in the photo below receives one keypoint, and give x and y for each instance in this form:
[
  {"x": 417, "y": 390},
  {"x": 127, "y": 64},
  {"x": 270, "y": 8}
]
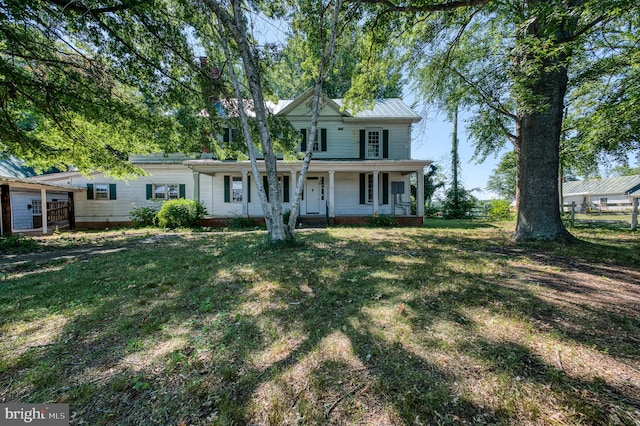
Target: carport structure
[{"x": 46, "y": 205}]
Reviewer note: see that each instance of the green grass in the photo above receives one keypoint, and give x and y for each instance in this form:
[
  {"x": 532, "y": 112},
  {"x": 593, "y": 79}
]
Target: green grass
[{"x": 451, "y": 323}]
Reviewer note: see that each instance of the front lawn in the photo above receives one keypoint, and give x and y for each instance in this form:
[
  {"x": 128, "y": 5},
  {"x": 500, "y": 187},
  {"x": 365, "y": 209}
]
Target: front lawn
[{"x": 451, "y": 323}]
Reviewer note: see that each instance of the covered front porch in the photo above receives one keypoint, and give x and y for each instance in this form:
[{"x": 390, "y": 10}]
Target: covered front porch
[{"x": 341, "y": 191}]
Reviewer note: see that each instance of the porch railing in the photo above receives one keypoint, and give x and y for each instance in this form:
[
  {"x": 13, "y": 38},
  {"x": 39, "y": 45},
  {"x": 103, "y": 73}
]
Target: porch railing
[{"x": 57, "y": 211}]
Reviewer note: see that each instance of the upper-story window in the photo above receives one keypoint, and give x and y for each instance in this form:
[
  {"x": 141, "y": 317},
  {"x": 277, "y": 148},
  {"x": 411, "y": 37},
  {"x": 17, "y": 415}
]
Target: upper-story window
[
  {"x": 230, "y": 134},
  {"x": 319, "y": 144},
  {"x": 374, "y": 143}
]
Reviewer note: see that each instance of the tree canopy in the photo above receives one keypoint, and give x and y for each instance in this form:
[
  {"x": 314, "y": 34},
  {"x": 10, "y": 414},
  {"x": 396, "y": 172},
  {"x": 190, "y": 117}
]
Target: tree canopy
[
  {"x": 84, "y": 85},
  {"x": 534, "y": 73}
]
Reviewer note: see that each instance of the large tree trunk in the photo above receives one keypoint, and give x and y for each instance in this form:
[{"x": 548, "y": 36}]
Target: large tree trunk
[
  {"x": 538, "y": 161},
  {"x": 540, "y": 126}
]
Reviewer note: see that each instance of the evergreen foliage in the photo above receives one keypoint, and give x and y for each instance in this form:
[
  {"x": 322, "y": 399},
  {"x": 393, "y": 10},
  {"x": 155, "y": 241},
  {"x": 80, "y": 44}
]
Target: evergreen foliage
[{"x": 458, "y": 203}]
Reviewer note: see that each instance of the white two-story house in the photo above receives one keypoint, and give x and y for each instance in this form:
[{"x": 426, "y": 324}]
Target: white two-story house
[{"x": 361, "y": 167}]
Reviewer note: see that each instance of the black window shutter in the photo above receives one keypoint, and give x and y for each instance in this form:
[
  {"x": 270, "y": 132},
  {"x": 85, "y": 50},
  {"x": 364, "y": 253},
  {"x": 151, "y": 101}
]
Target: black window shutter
[
  {"x": 363, "y": 144},
  {"x": 265, "y": 183},
  {"x": 363, "y": 188},
  {"x": 89, "y": 191},
  {"x": 249, "y": 189},
  {"x": 285, "y": 189},
  {"x": 385, "y": 144},
  {"x": 182, "y": 191},
  {"x": 303, "y": 145},
  {"x": 385, "y": 188},
  {"x": 323, "y": 140},
  {"x": 149, "y": 191},
  {"x": 112, "y": 191},
  {"x": 226, "y": 136},
  {"x": 227, "y": 189}
]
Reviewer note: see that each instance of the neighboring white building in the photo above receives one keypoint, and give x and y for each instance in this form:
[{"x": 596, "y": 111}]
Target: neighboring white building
[
  {"x": 609, "y": 194},
  {"x": 361, "y": 166}
]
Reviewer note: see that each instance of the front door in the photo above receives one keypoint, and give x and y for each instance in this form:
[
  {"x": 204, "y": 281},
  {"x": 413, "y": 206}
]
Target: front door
[{"x": 312, "y": 196}]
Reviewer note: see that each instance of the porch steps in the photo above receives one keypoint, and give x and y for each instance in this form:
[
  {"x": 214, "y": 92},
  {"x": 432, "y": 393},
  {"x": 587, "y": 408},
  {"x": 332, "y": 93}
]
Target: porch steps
[{"x": 312, "y": 221}]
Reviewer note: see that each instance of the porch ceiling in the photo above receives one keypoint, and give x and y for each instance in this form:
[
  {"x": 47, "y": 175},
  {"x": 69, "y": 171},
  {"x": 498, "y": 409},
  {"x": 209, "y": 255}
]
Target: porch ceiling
[{"x": 217, "y": 166}]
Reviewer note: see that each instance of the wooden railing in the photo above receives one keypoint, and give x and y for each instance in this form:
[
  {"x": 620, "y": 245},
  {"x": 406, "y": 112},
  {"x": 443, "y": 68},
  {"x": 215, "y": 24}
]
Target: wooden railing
[{"x": 57, "y": 211}]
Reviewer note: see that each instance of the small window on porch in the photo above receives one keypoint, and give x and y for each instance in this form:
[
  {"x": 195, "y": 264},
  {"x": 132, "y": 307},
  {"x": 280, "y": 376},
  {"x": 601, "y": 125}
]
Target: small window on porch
[
  {"x": 36, "y": 207},
  {"x": 236, "y": 189}
]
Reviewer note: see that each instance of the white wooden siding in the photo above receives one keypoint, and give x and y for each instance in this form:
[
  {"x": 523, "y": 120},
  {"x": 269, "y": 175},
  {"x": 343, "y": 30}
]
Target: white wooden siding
[
  {"x": 345, "y": 143},
  {"x": 129, "y": 194},
  {"x": 21, "y": 215}
]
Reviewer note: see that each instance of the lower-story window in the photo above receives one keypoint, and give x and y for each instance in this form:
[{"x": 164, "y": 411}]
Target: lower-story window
[
  {"x": 101, "y": 191},
  {"x": 165, "y": 191},
  {"x": 367, "y": 189},
  {"x": 236, "y": 188}
]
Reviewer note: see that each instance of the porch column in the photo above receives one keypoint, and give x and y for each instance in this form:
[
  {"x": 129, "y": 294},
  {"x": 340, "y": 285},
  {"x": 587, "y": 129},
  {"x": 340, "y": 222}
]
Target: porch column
[
  {"x": 332, "y": 198},
  {"x": 420, "y": 194},
  {"x": 634, "y": 214},
  {"x": 72, "y": 212},
  {"x": 375, "y": 192},
  {"x": 196, "y": 186},
  {"x": 45, "y": 213},
  {"x": 292, "y": 186},
  {"x": 5, "y": 201},
  {"x": 245, "y": 193}
]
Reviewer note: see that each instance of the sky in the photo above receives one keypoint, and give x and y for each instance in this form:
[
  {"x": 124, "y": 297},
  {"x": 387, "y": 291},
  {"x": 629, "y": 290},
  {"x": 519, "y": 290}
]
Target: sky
[
  {"x": 431, "y": 137},
  {"x": 432, "y": 141}
]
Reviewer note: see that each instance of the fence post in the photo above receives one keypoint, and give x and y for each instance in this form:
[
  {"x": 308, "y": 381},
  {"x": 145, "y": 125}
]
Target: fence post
[
  {"x": 573, "y": 213},
  {"x": 634, "y": 215}
]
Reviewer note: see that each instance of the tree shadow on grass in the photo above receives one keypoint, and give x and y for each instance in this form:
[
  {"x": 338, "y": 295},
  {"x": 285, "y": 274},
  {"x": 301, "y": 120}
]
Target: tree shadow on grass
[
  {"x": 458, "y": 224},
  {"x": 221, "y": 331}
]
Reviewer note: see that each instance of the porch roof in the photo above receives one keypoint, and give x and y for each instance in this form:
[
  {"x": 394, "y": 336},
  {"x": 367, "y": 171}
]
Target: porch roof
[
  {"x": 33, "y": 184},
  {"x": 211, "y": 167}
]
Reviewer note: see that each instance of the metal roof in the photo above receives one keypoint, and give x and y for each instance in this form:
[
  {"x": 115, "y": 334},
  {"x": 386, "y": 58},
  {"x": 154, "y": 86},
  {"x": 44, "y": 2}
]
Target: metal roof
[
  {"x": 34, "y": 184},
  {"x": 620, "y": 185},
  {"x": 386, "y": 108},
  {"x": 393, "y": 108},
  {"x": 15, "y": 168}
]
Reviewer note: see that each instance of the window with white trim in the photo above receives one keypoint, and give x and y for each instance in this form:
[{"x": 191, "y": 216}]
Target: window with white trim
[
  {"x": 166, "y": 191},
  {"x": 36, "y": 207},
  {"x": 236, "y": 189},
  {"x": 369, "y": 188},
  {"x": 374, "y": 143},
  {"x": 101, "y": 191}
]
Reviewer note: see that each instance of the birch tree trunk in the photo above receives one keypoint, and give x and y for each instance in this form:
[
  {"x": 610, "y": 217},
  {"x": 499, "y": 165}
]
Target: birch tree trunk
[
  {"x": 234, "y": 24},
  {"x": 326, "y": 64}
]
